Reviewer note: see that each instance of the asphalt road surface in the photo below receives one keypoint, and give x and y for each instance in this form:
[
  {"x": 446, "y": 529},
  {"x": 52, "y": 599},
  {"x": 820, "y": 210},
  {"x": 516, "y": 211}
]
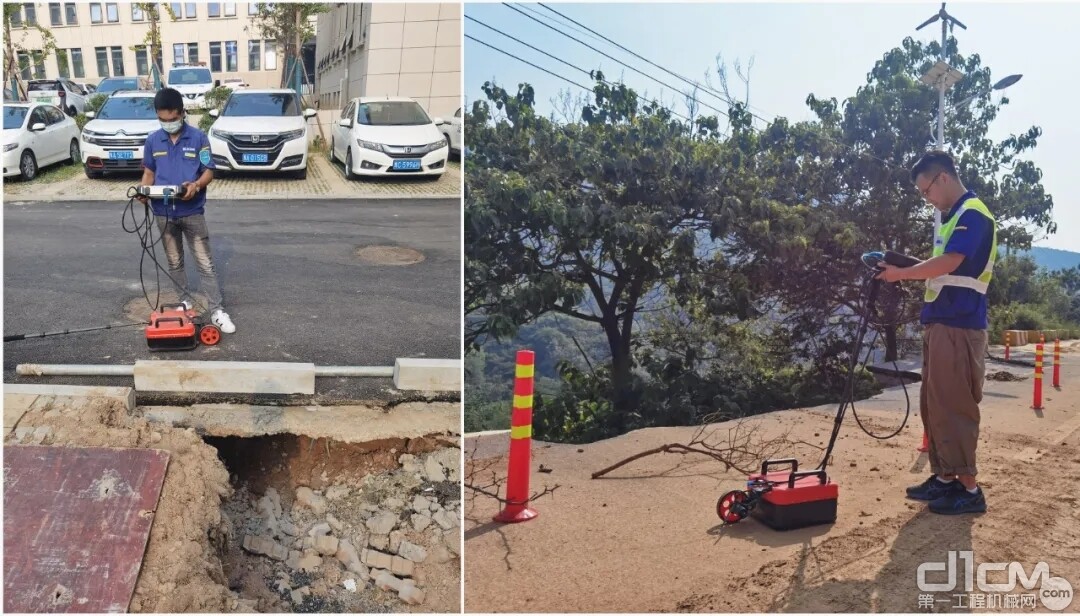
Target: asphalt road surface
[{"x": 293, "y": 284}]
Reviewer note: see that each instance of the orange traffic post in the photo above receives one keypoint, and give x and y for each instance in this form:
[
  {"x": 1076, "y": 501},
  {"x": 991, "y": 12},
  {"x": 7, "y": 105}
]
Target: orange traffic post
[
  {"x": 1006, "y": 346},
  {"x": 925, "y": 443},
  {"x": 1057, "y": 363},
  {"x": 517, "y": 478},
  {"x": 1038, "y": 376}
]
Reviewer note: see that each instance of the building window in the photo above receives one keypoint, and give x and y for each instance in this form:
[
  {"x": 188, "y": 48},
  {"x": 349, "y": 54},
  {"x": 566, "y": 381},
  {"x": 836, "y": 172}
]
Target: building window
[
  {"x": 213, "y": 9},
  {"x": 215, "y": 57},
  {"x": 95, "y": 14},
  {"x": 24, "y": 65},
  {"x": 39, "y": 64},
  {"x": 62, "y": 65},
  {"x": 16, "y": 18},
  {"x": 231, "y": 57},
  {"x": 142, "y": 66},
  {"x": 118, "y": 61},
  {"x": 254, "y": 55},
  {"x": 102, "y": 61},
  {"x": 56, "y": 14},
  {"x": 175, "y": 8},
  {"x": 253, "y": 8},
  {"x": 189, "y": 10},
  {"x": 230, "y": 9},
  {"x": 112, "y": 13},
  {"x": 136, "y": 13},
  {"x": 31, "y": 14},
  {"x": 72, "y": 13},
  {"x": 77, "y": 63},
  {"x": 177, "y": 54},
  {"x": 193, "y": 53},
  {"x": 270, "y": 56}
]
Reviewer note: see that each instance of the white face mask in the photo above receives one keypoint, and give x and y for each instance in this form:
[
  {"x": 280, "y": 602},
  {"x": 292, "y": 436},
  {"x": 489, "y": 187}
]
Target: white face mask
[{"x": 172, "y": 127}]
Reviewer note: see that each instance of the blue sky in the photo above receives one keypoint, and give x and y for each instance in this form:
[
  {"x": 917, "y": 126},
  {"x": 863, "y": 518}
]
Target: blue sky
[{"x": 803, "y": 48}]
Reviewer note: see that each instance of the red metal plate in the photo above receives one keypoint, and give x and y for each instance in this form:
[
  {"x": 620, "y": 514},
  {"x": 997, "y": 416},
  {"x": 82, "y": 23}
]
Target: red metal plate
[{"x": 76, "y": 524}]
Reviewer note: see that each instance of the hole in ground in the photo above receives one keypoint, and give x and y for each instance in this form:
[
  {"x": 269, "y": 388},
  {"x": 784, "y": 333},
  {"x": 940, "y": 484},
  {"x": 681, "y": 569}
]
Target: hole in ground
[{"x": 352, "y": 483}]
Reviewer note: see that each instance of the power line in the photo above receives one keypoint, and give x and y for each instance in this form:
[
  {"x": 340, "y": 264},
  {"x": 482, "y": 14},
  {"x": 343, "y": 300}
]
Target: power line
[
  {"x": 577, "y": 68},
  {"x": 666, "y": 85},
  {"x": 706, "y": 89}
]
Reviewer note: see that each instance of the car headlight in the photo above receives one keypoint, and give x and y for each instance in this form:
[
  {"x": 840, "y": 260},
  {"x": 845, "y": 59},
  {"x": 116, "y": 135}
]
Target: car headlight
[
  {"x": 435, "y": 145},
  {"x": 10, "y": 146},
  {"x": 89, "y": 137},
  {"x": 293, "y": 134},
  {"x": 220, "y": 134},
  {"x": 368, "y": 145}
]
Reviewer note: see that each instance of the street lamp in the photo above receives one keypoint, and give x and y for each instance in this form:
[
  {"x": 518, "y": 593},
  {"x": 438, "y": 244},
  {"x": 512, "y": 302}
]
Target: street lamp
[
  {"x": 942, "y": 76},
  {"x": 1000, "y": 85}
]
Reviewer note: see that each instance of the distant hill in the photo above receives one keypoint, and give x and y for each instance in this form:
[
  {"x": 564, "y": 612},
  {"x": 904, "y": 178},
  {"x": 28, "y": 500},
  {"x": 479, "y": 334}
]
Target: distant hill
[{"x": 1054, "y": 259}]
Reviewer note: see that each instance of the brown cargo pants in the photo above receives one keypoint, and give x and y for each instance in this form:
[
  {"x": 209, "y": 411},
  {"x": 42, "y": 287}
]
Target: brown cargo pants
[{"x": 954, "y": 366}]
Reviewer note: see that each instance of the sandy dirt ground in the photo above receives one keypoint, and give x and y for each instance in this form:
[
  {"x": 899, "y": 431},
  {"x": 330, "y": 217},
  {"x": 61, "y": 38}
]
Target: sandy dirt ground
[{"x": 646, "y": 538}]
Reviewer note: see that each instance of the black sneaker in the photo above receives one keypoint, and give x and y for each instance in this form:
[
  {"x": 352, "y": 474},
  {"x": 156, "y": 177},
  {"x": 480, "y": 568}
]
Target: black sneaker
[
  {"x": 960, "y": 501},
  {"x": 932, "y": 489}
]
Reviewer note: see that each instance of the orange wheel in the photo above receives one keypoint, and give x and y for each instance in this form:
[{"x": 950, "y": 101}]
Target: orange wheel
[{"x": 209, "y": 335}]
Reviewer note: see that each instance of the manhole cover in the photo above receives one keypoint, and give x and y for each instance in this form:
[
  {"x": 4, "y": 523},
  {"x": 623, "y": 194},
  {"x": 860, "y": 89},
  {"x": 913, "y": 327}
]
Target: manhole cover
[{"x": 389, "y": 255}]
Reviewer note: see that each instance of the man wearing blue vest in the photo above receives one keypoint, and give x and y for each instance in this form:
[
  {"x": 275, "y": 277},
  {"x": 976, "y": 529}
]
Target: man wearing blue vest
[
  {"x": 179, "y": 155},
  {"x": 954, "y": 339}
]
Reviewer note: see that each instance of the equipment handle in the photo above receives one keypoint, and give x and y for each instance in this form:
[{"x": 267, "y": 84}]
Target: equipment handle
[
  {"x": 164, "y": 306},
  {"x": 900, "y": 260},
  {"x": 767, "y": 463},
  {"x": 799, "y": 475},
  {"x": 179, "y": 320}
]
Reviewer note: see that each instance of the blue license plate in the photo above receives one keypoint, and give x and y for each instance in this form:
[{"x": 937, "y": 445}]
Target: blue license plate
[
  {"x": 121, "y": 155},
  {"x": 407, "y": 165},
  {"x": 255, "y": 158}
]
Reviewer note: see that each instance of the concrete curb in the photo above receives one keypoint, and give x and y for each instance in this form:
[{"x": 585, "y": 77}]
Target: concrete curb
[{"x": 124, "y": 395}]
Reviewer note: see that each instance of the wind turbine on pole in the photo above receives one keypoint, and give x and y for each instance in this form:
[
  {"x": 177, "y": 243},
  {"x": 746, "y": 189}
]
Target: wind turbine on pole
[{"x": 941, "y": 76}]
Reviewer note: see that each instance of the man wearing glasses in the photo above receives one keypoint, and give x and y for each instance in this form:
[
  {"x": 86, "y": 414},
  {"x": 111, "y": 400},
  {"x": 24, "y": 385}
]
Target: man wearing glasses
[{"x": 954, "y": 340}]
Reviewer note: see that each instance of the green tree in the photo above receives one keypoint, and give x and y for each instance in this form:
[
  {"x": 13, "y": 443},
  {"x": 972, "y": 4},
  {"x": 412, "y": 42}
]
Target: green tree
[
  {"x": 12, "y": 48},
  {"x": 287, "y": 23},
  {"x": 152, "y": 41}
]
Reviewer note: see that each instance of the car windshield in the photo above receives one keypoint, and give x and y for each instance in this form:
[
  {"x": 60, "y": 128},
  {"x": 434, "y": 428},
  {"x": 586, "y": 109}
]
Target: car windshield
[
  {"x": 128, "y": 108},
  {"x": 14, "y": 117},
  {"x": 44, "y": 86},
  {"x": 392, "y": 113},
  {"x": 112, "y": 85},
  {"x": 273, "y": 105},
  {"x": 189, "y": 77}
]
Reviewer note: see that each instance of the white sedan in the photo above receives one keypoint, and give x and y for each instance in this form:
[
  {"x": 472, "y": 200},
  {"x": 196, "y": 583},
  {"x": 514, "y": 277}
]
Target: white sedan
[
  {"x": 37, "y": 135},
  {"x": 451, "y": 129},
  {"x": 388, "y": 137}
]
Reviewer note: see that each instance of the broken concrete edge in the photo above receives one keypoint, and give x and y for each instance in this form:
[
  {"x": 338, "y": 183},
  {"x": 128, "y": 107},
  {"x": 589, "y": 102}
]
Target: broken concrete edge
[
  {"x": 351, "y": 424},
  {"x": 123, "y": 395}
]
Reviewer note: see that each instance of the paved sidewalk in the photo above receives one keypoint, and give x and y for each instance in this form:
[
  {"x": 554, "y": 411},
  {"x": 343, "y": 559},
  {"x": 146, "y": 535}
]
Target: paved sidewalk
[{"x": 323, "y": 181}]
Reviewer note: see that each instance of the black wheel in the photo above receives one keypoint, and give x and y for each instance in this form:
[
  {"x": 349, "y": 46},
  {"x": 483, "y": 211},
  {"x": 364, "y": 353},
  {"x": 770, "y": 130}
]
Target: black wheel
[
  {"x": 28, "y": 165},
  {"x": 301, "y": 174},
  {"x": 93, "y": 175},
  {"x": 349, "y": 175},
  {"x": 72, "y": 111},
  {"x": 73, "y": 152},
  {"x": 731, "y": 507},
  {"x": 333, "y": 157}
]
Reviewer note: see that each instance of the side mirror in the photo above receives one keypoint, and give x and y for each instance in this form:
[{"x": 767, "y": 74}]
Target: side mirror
[
  {"x": 90, "y": 114},
  {"x": 37, "y": 127},
  {"x": 214, "y": 113},
  {"x": 345, "y": 123},
  {"x": 439, "y": 121},
  {"x": 309, "y": 113}
]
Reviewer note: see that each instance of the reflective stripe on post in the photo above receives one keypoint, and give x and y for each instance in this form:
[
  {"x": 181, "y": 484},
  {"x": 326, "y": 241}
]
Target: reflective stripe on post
[
  {"x": 1057, "y": 363},
  {"x": 517, "y": 476},
  {"x": 1037, "y": 405}
]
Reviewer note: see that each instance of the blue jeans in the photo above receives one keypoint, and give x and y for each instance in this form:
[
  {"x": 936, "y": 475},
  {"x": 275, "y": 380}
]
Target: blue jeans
[{"x": 173, "y": 232}]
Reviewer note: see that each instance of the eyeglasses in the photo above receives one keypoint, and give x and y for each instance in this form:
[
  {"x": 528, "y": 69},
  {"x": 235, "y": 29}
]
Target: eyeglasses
[{"x": 926, "y": 191}]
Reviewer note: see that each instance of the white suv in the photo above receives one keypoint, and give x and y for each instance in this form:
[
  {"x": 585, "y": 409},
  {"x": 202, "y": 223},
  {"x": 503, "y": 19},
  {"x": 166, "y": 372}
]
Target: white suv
[
  {"x": 114, "y": 137},
  {"x": 193, "y": 82},
  {"x": 63, "y": 93},
  {"x": 388, "y": 137},
  {"x": 261, "y": 130}
]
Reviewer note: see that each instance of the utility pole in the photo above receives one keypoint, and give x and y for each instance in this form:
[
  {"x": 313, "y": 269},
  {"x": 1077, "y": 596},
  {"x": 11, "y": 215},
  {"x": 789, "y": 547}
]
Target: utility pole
[{"x": 942, "y": 76}]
